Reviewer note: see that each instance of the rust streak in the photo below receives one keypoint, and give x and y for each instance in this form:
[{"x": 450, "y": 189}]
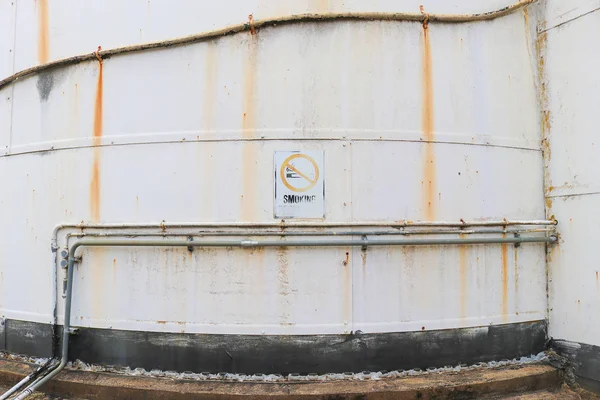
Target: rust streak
[
  {"x": 545, "y": 115},
  {"x": 363, "y": 257},
  {"x": 504, "y": 280},
  {"x": 597, "y": 282},
  {"x": 427, "y": 116},
  {"x": 322, "y": 6},
  {"x": 462, "y": 260},
  {"x": 97, "y": 140},
  {"x": 43, "y": 32},
  {"x": 249, "y": 201},
  {"x": 251, "y": 24},
  {"x": 210, "y": 86}
]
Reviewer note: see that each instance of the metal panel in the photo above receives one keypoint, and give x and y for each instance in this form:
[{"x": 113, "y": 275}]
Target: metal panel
[
  {"x": 413, "y": 289},
  {"x": 8, "y": 11},
  {"x": 572, "y": 166}
]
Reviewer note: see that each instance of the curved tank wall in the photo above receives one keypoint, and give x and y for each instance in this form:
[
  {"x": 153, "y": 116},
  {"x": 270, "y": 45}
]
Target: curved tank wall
[{"x": 415, "y": 124}]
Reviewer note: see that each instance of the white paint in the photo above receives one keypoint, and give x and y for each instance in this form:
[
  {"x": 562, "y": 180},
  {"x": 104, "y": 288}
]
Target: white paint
[
  {"x": 189, "y": 134},
  {"x": 299, "y": 184},
  {"x": 76, "y": 27},
  {"x": 573, "y": 90}
]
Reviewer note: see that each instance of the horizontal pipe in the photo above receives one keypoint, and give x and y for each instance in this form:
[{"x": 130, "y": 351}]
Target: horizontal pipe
[
  {"x": 304, "y": 233},
  {"x": 252, "y": 25},
  {"x": 299, "y": 224},
  {"x": 303, "y": 243}
]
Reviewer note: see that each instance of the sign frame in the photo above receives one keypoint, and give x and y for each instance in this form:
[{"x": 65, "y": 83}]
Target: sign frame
[{"x": 307, "y": 199}]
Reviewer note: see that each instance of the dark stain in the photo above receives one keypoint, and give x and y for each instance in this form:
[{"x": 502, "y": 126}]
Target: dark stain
[
  {"x": 45, "y": 83},
  {"x": 284, "y": 354}
]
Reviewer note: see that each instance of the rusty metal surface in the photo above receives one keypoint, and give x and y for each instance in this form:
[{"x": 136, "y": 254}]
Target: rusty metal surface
[
  {"x": 573, "y": 187},
  {"x": 416, "y": 125}
]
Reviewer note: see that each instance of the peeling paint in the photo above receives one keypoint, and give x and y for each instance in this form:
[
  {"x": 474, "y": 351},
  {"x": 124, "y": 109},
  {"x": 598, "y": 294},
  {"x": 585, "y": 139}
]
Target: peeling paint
[{"x": 545, "y": 116}]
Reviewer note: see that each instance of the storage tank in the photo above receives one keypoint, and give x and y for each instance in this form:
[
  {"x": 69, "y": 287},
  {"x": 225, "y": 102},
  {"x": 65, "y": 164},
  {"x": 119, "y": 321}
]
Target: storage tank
[{"x": 360, "y": 187}]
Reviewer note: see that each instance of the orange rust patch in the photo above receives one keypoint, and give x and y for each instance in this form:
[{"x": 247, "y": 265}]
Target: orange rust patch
[
  {"x": 427, "y": 115},
  {"x": 597, "y": 282},
  {"x": 462, "y": 273},
  {"x": 97, "y": 140},
  {"x": 43, "y": 32},
  {"x": 161, "y": 322},
  {"x": 251, "y": 24},
  {"x": 504, "y": 280}
]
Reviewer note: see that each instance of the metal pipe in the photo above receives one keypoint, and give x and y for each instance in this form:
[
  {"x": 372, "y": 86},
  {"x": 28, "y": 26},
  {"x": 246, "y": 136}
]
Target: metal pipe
[
  {"x": 297, "y": 224},
  {"x": 27, "y": 379},
  {"x": 307, "y": 243},
  {"x": 243, "y": 244},
  {"x": 302, "y": 233}
]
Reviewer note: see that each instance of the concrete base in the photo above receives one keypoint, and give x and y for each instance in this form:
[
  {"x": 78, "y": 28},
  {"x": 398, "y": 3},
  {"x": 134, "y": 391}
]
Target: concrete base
[
  {"x": 468, "y": 384},
  {"x": 585, "y": 359}
]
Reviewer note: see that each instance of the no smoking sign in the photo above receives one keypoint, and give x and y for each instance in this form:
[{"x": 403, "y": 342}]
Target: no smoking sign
[{"x": 299, "y": 184}]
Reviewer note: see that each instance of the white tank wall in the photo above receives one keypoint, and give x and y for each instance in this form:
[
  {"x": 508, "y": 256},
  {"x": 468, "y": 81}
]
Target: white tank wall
[
  {"x": 573, "y": 186},
  {"x": 182, "y": 132},
  {"x": 73, "y": 27}
]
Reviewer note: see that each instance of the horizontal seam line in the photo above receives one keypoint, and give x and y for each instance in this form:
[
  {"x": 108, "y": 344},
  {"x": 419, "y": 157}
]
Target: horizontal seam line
[
  {"x": 265, "y": 139},
  {"x": 571, "y": 20},
  {"x": 572, "y": 195}
]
